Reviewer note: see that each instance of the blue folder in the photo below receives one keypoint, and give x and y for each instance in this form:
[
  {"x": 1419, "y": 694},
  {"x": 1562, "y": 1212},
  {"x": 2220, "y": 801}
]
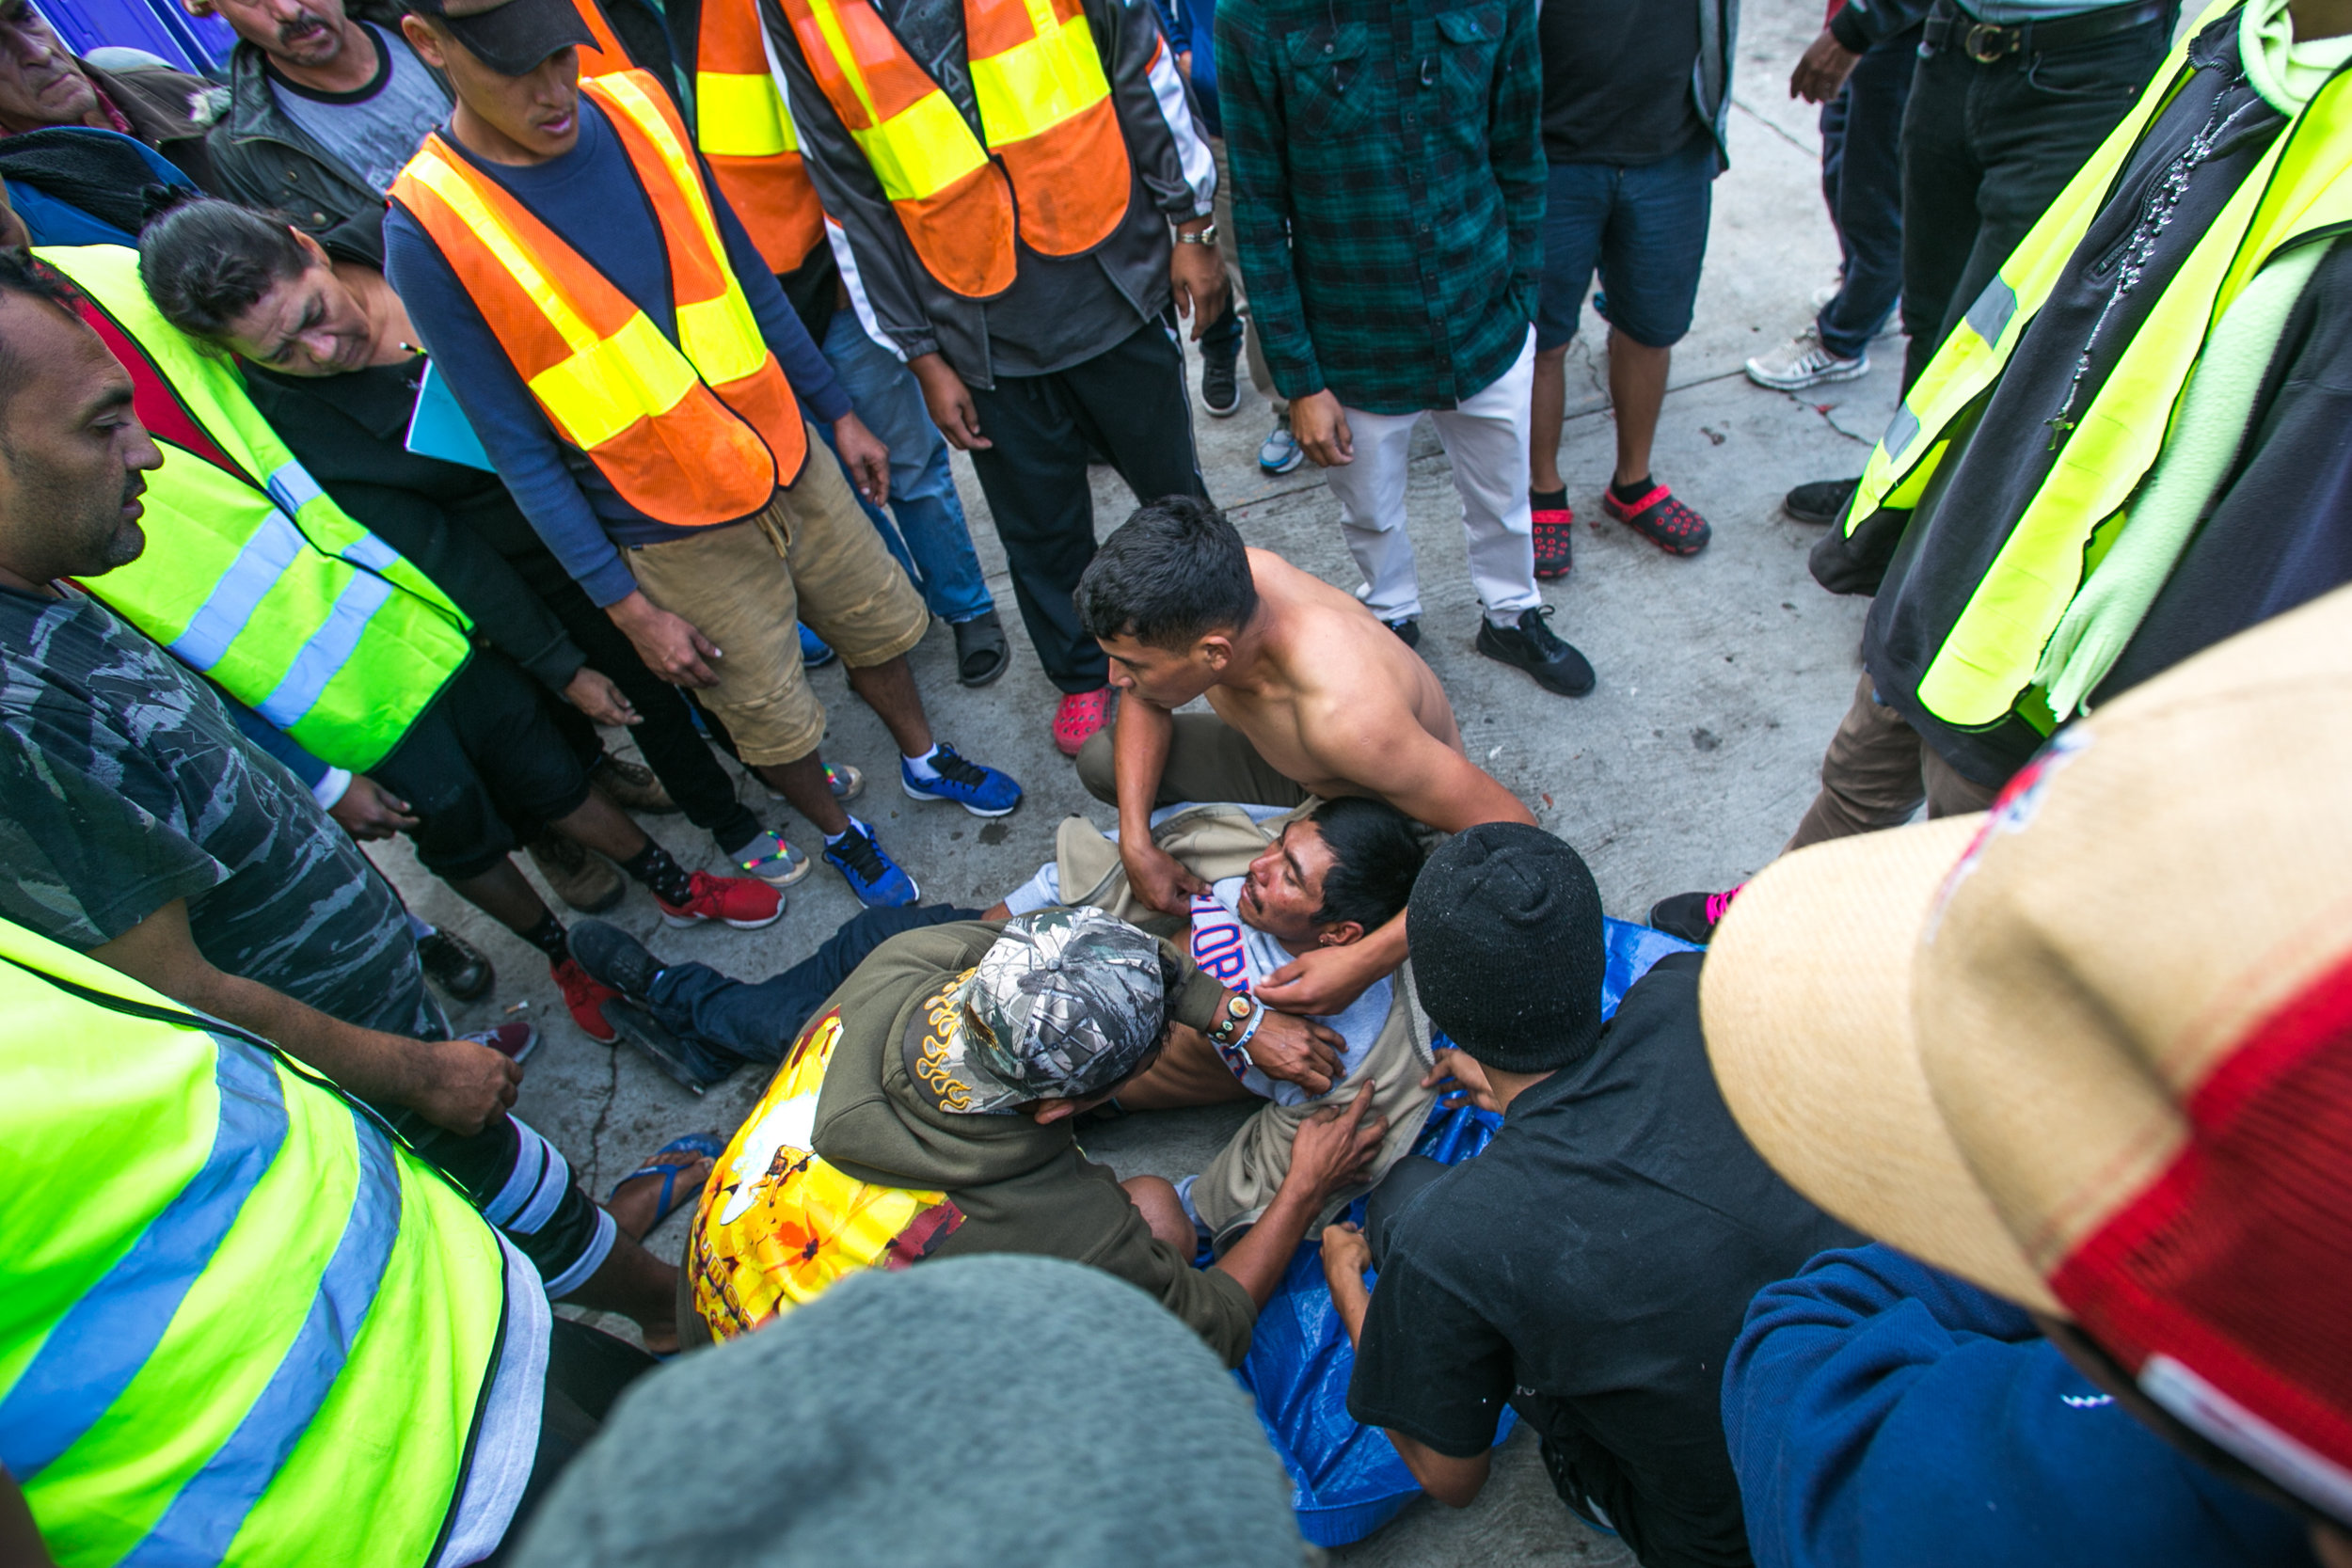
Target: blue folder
[{"x": 439, "y": 428}]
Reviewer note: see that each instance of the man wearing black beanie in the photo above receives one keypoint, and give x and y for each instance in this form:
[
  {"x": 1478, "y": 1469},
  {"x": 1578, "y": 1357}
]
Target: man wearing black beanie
[{"x": 1593, "y": 1264}]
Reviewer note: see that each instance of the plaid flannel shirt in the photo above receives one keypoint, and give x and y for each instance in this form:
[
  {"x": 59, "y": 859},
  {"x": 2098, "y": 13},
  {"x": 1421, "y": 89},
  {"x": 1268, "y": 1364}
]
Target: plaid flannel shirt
[{"x": 1388, "y": 191}]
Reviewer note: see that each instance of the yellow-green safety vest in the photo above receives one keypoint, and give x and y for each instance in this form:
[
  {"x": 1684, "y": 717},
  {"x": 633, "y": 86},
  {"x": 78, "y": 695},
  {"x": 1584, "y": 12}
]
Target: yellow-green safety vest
[
  {"x": 258, "y": 578},
  {"x": 238, "y": 1323},
  {"x": 2296, "y": 193}
]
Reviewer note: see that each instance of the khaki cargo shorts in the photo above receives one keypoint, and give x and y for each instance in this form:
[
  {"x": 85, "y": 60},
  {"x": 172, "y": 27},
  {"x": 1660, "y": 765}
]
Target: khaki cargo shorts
[{"x": 813, "y": 556}]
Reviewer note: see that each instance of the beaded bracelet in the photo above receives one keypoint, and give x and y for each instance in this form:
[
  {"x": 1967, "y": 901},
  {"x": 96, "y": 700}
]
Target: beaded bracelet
[{"x": 1231, "y": 1034}]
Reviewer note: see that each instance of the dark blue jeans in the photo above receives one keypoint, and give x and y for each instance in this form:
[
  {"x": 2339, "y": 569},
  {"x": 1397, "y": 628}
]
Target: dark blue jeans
[
  {"x": 1862, "y": 180},
  {"x": 757, "y": 1021},
  {"x": 1644, "y": 227}
]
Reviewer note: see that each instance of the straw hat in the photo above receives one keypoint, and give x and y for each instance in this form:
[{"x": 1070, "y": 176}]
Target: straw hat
[{"x": 2093, "y": 1048}]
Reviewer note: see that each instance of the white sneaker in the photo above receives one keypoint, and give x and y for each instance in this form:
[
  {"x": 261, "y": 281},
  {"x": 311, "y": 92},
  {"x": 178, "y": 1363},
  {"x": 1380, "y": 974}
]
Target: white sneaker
[{"x": 1803, "y": 362}]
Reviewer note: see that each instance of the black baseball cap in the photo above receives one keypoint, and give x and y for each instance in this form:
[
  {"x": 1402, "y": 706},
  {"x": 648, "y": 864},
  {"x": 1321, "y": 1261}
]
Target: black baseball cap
[{"x": 514, "y": 36}]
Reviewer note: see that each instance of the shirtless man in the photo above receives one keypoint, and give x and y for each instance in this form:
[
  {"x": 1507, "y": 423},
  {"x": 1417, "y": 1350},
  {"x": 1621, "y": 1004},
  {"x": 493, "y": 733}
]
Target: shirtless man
[{"x": 1312, "y": 696}]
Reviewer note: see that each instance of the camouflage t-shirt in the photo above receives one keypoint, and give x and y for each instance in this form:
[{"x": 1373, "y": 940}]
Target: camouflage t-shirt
[{"x": 124, "y": 784}]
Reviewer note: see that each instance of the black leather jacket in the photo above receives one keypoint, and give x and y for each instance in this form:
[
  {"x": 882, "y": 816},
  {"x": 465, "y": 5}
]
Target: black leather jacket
[{"x": 262, "y": 158}]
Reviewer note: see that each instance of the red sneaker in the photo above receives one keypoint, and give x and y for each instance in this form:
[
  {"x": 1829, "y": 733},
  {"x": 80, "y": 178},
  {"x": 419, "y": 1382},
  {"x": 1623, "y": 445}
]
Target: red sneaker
[
  {"x": 1659, "y": 517},
  {"x": 1555, "y": 539},
  {"x": 741, "y": 902},
  {"x": 513, "y": 1040},
  {"x": 584, "y": 997},
  {"x": 1080, "y": 715}
]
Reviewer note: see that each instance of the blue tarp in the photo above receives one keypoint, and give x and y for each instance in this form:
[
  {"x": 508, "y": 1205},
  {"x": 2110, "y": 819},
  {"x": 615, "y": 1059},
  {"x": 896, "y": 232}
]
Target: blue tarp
[{"x": 1347, "y": 1480}]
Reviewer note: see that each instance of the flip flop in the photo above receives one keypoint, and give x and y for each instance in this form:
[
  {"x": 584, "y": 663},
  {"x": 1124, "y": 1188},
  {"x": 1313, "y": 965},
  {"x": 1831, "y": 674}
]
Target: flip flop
[{"x": 694, "y": 1143}]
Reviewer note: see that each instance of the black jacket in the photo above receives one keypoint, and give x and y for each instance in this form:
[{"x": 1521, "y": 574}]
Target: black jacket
[
  {"x": 169, "y": 110},
  {"x": 264, "y": 160},
  {"x": 2273, "y": 536},
  {"x": 1860, "y": 24}
]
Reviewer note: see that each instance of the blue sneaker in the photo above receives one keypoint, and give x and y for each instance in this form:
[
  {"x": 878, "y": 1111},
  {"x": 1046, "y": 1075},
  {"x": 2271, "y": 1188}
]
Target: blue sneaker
[
  {"x": 874, "y": 877},
  {"x": 981, "y": 791},
  {"x": 1280, "y": 452},
  {"x": 815, "y": 653}
]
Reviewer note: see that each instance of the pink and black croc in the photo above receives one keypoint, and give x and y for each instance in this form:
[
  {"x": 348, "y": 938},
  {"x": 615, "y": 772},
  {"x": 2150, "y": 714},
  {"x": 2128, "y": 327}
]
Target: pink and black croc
[
  {"x": 1555, "y": 539},
  {"x": 1661, "y": 520},
  {"x": 1079, "y": 716}
]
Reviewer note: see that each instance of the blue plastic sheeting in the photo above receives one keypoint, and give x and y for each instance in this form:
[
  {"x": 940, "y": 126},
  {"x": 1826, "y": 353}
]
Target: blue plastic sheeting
[
  {"x": 1347, "y": 1480},
  {"x": 194, "y": 43}
]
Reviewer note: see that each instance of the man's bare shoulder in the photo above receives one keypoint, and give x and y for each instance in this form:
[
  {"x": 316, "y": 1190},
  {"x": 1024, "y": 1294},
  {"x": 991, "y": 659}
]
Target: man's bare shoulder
[{"x": 1354, "y": 682}]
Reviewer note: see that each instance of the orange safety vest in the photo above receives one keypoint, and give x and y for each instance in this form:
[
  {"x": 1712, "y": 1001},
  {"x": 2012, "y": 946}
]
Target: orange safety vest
[
  {"x": 607, "y": 55},
  {"x": 744, "y": 128},
  {"x": 1055, "y": 154},
  {"x": 697, "y": 431}
]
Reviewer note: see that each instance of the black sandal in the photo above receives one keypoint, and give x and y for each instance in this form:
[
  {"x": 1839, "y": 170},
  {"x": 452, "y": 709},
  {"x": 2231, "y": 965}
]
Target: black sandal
[{"x": 981, "y": 652}]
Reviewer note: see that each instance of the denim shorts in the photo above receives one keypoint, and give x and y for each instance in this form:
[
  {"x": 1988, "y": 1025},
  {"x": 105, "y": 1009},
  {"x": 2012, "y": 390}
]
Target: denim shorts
[{"x": 1644, "y": 227}]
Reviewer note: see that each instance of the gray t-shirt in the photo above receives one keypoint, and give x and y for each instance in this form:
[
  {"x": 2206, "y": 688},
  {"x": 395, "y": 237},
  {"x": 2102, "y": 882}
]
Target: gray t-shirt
[
  {"x": 374, "y": 129},
  {"x": 124, "y": 785}
]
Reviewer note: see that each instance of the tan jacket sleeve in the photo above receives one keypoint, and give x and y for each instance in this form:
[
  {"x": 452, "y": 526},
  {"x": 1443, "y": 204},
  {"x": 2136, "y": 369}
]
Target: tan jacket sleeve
[{"x": 1236, "y": 1186}]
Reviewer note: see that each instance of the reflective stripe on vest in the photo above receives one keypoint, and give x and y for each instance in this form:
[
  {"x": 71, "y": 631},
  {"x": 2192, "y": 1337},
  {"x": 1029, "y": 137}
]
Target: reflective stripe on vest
[
  {"x": 252, "y": 574},
  {"x": 2298, "y": 189},
  {"x": 691, "y": 433},
  {"x": 744, "y": 128},
  {"x": 1045, "y": 110},
  {"x": 235, "y": 1296},
  {"x": 606, "y": 55}
]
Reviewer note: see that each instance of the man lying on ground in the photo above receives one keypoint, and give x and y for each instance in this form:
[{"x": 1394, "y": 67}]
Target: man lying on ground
[
  {"x": 925, "y": 1112},
  {"x": 1313, "y": 697},
  {"x": 1281, "y": 883},
  {"x": 1591, "y": 1266}
]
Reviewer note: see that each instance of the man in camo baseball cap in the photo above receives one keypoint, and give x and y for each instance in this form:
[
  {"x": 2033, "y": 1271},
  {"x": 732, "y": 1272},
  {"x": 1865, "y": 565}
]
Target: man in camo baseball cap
[{"x": 1065, "y": 1005}]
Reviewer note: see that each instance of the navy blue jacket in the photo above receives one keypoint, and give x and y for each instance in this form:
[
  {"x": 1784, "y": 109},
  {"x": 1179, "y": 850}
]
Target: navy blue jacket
[{"x": 1881, "y": 1412}]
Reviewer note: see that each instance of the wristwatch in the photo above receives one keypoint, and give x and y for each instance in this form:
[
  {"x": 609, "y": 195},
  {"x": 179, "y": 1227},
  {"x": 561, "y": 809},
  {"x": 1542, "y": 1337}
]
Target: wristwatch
[{"x": 1207, "y": 236}]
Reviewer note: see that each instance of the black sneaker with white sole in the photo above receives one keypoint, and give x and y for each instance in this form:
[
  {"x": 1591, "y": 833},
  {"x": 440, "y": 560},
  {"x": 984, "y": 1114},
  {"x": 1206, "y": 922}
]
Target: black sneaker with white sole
[
  {"x": 1530, "y": 646},
  {"x": 1408, "y": 630},
  {"x": 1220, "y": 391}
]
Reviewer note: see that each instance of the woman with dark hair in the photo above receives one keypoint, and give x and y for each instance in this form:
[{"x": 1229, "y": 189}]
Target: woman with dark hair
[{"x": 329, "y": 358}]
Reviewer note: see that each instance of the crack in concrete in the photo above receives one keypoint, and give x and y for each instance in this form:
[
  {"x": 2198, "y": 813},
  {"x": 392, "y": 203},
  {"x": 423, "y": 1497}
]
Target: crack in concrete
[
  {"x": 604, "y": 1114},
  {"x": 1757, "y": 116},
  {"x": 1827, "y": 414}
]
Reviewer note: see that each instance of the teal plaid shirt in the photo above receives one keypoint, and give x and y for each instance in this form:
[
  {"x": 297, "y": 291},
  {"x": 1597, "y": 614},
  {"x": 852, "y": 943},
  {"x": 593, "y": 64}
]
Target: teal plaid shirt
[{"x": 1388, "y": 191}]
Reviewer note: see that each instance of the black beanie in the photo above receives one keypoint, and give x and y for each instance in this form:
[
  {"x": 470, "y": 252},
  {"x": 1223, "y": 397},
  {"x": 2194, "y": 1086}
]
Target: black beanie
[{"x": 1508, "y": 954}]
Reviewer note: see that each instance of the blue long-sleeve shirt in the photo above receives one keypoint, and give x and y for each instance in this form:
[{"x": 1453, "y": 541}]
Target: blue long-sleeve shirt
[
  {"x": 1879, "y": 1412},
  {"x": 590, "y": 198}
]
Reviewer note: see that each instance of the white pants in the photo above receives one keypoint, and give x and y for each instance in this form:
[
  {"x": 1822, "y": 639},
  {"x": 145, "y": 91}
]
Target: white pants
[{"x": 1485, "y": 438}]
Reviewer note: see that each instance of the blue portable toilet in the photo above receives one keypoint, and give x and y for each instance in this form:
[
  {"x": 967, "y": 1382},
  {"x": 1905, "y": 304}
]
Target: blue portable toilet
[{"x": 160, "y": 27}]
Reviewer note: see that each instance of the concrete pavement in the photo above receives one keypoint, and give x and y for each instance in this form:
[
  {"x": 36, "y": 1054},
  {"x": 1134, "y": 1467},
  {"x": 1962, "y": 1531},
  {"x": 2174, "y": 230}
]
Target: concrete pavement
[{"x": 1721, "y": 679}]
